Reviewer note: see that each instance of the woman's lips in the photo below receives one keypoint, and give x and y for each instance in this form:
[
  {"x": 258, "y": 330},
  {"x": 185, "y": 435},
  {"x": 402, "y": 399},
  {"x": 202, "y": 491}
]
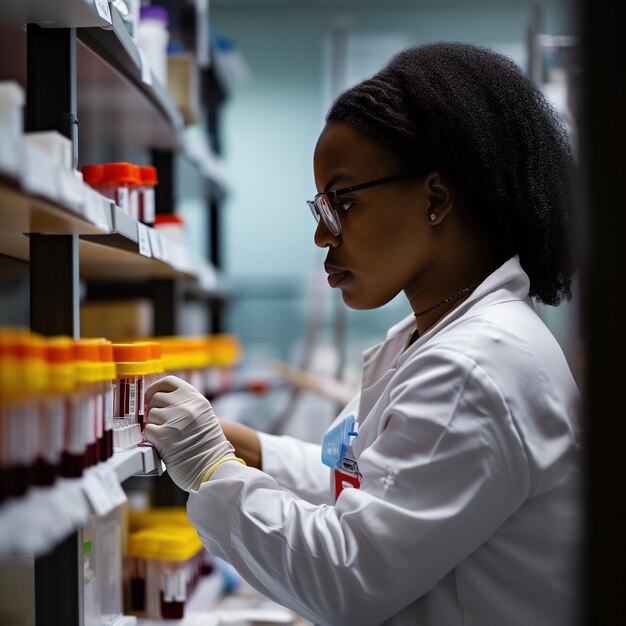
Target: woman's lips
[{"x": 337, "y": 277}]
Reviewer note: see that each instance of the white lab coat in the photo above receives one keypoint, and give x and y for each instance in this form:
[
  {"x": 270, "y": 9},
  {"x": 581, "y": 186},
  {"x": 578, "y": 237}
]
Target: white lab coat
[{"x": 468, "y": 512}]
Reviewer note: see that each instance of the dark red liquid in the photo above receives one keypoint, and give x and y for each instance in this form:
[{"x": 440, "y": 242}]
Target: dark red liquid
[
  {"x": 138, "y": 594},
  {"x": 7, "y": 483},
  {"x": 172, "y": 610},
  {"x": 23, "y": 479},
  {"x": 45, "y": 473},
  {"x": 108, "y": 439},
  {"x": 92, "y": 454},
  {"x": 72, "y": 465}
]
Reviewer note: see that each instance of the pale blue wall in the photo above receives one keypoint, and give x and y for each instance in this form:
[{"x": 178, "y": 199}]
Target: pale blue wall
[{"x": 271, "y": 124}]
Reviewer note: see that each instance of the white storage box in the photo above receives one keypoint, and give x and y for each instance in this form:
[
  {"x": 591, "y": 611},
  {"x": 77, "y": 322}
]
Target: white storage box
[{"x": 11, "y": 107}]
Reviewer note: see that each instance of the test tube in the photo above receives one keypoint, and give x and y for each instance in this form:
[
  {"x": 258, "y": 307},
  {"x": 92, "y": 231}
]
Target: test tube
[
  {"x": 9, "y": 378},
  {"x": 118, "y": 179},
  {"x": 132, "y": 365},
  {"x": 60, "y": 383},
  {"x": 109, "y": 376},
  {"x": 89, "y": 368},
  {"x": 79, "y": 423},
  {"x": 148, "y": 176},
  {"x": 173, "y": 594},
  {"x": 32, "y": 380}
]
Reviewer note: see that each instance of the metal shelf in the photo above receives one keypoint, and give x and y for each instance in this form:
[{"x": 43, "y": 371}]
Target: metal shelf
[
  {"x": 55, "y": 14},
  {"x": 116, "y": 47},
  {"x": 119, "y": 112},
  {"x": 39, "y": 196},
  {"x": 139, "y": 461},
  {"x": 44, "y": 516}
]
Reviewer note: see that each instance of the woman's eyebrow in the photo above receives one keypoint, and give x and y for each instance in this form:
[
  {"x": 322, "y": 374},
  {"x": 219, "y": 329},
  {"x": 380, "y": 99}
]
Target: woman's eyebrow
[{"x": 337, "y": 178}]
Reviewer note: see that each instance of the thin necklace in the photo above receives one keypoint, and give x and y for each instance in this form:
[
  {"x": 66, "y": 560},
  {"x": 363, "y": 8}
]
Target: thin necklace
[
  {"x": 415, "y": 334},
  {"x": 448, "y": 299}
]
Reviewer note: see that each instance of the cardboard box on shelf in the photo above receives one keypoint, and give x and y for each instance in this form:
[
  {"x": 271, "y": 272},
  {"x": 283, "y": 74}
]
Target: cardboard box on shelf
[
  {"x": 182, "y": 83},
  {"x": 123, "y": 319}
]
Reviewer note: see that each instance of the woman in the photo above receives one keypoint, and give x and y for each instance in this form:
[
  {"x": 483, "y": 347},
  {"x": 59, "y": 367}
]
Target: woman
[{"x": 444, "y": 176}]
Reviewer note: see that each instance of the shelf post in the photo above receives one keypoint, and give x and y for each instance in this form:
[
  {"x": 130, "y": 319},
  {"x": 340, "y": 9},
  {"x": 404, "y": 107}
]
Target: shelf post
[
  {"x": 164, "y": 193},
  {"x": 51, "y": 82},
  {"x": 216, "y": 309},
  {"x": 54, "y": 287}
]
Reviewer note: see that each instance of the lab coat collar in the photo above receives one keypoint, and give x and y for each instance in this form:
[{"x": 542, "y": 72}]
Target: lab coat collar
[{"x": 508, "y": 282}]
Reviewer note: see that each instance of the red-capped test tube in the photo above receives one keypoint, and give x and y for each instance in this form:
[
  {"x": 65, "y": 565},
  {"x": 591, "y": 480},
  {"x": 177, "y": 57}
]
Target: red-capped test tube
[
  {"x": 10, "y": 395},
  {"x": 119, "y": 183},
  {"x": 132, "y": 363},
  {"x": 148, "y": 181},
  {"x": 54, "y": 405},
  {"x": 87, "y": 401},
  {"x": 93, "y": 175},
  {"x": 109, "y": 375},
  {"x": 32, "y": 382}
]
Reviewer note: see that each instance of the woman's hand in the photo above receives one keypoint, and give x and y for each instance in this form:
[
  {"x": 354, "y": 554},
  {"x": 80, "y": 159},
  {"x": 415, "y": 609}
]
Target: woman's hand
[{"x": 185, "y": 431}]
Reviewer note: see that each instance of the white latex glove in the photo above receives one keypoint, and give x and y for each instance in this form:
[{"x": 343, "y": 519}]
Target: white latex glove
[{"x": 185, "y": 431}]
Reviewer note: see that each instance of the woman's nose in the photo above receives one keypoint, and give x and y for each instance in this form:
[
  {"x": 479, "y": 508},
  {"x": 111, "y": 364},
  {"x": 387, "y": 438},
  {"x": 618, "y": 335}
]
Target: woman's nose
[{"x": 324, "y": 238}]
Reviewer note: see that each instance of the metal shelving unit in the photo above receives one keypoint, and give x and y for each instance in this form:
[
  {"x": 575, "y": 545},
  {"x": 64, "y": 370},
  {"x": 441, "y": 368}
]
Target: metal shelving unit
[
  {"x": 69, "y": 502},
  {"x": 86, "y": 78}
]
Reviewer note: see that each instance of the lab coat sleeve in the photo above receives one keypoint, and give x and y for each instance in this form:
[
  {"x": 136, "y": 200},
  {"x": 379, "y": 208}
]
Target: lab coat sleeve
[
  {"x": 445, "y": 470},
  {"x": 296, "y": 466}
]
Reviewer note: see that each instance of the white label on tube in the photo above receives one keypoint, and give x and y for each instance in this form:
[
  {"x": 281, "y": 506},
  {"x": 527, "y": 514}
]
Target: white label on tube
[
  {"x": 108, "y": 407},
  {"x": 174, "y": 585},
  {"x": 142, "y": 392},
  {"x": 132, "y": 400},
  {"x": 122, "y": 199},
  {"x": 144, "y": 240},
  {"x": 99, "y": 415},
  {"x": 51, "y": 429},
  {"x": 133, "y": 204},
  {"x": 56, "y": 415},
  {"x": 148, "y": 205},
  {"x": 75, "y": 432},
  {"x": 102, "y": 6}
]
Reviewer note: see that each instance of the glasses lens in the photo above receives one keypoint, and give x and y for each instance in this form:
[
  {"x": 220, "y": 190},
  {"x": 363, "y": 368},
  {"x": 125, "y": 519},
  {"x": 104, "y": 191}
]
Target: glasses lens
[
  {"x": 325, "y": 208},
  {"x": 314, "y": 211}
]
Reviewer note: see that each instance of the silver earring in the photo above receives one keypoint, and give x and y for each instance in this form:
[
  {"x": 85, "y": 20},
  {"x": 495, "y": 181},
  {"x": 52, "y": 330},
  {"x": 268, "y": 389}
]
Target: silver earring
[{"x": 433, "y": 217}]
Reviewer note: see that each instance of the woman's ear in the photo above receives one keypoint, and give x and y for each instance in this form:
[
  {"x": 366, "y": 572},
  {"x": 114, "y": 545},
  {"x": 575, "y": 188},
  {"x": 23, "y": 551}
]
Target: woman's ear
[{"x": 441, "y": 197}]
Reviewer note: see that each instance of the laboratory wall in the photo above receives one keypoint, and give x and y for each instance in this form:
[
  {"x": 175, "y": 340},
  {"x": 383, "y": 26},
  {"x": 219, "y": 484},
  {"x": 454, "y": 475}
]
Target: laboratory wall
[{"x": 297, "y": 56}]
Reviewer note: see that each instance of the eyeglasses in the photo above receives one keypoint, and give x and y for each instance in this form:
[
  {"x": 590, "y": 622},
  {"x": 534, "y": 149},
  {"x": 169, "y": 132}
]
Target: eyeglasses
[{"x": 322, "y": 205}]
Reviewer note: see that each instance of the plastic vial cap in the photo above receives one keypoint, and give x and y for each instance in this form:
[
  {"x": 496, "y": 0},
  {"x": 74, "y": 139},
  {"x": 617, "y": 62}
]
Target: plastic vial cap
[
  {"x": 162, "y": 219},
  {"x": 119, "y": 174},
  {"x": 148, "y": 175},
  {"x": 106, "y": 358},
  {"x": 132, "y": 359},
  {"x": 87, "y": 355},
  {"x": 92, "y": 174},
  {"x": 156, "y": 13}
]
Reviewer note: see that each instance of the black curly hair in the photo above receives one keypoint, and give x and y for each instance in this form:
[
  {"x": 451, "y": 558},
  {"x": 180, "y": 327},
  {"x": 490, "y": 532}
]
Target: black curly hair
[{"x": 473, "y": 115}]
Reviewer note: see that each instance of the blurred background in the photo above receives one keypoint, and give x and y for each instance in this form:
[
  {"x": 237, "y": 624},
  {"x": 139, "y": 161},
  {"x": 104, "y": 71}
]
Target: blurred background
[{"x": 269, "y": 127}]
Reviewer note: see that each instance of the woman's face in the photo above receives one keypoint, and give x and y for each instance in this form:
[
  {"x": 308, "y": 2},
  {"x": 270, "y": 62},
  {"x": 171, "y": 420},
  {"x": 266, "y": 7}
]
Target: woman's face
[{"x": 386, "y": 241}]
